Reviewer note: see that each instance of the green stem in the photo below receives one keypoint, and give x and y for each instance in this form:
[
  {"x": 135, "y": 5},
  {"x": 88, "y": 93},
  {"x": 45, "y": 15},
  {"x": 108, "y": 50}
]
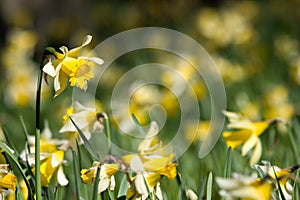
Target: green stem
[
  {"x": 96, "y": 183},
  {"x": 107, "y": 127},
  {"x": 37, "y": 137},
  {"x": 76, "y": 170}
]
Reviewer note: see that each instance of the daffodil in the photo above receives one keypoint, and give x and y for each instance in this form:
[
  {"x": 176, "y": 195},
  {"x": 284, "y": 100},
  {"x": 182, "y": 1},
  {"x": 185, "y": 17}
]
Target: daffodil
[
  {"x": 282, "y": 176},
  {"x": 106, "y": 179},
  {"x": 7, "y": 180},
  {"x": 246, "y": 133},
  {"x": 51, "y": 166},
  {"x": 244, "y": 188},
  {"x": 48, "y": 145},
  {"x": 69, "y": 65},
  {"x": 150, "y": 165},
  {"x": 84, "y": 117},
  {"x": 52, "y": 158}
]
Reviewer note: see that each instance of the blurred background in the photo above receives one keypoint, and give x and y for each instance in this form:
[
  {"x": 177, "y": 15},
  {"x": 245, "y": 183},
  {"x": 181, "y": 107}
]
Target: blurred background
[{"x": 255, "y": 45}]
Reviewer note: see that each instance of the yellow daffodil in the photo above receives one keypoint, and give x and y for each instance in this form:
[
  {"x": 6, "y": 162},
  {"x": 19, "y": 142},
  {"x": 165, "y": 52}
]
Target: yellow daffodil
[
  {"x": 51, "y": 167},
  {"x": 150, "y": 165},
  {"x": 69, "y": 65},
  {"x": 106, "y": 179},
  {"x": 7, "y": 180},
  {"x": 246, "y": 133},
  {"x": 84, "y": 117},
  {"x": 282, "y": 176},
  {"x": 48, "y": 145},
  {"x": 244, "y": 188}
]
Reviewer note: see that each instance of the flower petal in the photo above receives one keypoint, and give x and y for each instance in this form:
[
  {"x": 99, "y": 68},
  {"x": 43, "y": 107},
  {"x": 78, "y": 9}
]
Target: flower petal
[
  {"x": 256, "y": 153},
  {"x": 49, "y": 69},
  {"x": 61, "y": 178},
  {"x": 249, "y": 144}
]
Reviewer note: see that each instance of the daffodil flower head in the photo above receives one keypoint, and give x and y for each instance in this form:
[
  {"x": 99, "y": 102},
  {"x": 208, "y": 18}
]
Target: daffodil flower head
[
  {"x": 279, "y": 175},
  {"x": 245, "y": 133},
  {"x": 7, "y": 180},
  {"x": 51, "y": 167},
  {"x": 106, "y": 179},
  {"x": 68, "y": 65},
  {"x": 244, "y": 187},
  {"x": 84, "y": 117}
]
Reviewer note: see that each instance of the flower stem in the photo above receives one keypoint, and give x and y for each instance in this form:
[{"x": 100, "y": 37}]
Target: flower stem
[
  {"x": 100, "y": 117},
  {"x": 37, "y": 137},
  {"x": 76, "y": 170}
]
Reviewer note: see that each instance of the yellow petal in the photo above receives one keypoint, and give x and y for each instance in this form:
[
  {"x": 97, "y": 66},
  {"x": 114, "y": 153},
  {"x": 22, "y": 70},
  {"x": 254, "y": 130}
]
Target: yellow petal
[
  {"x": 249, "y": 144},
  {"x": 8, "y": 181},
  {"x": 260, "y": 127},
  {"x": 236, "y": 138}
]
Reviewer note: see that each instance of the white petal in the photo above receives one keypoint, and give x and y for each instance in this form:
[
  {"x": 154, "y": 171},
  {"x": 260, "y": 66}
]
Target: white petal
[
  {"x": 46, "y": 133},
  {"x": 103, "y": 185},
  {"x": 61, "y": 178},
  {"x": 249, "y": 144},
  {"x": 54, "y": 161},
  {"x": 96, "y": 60},
  {"x": 87, "y": 40},
  {"x": 64, "y": 49},
  {"x": 56, "y": 83},
  {"x": 256, "y": 153},
  {"x": 112, "y": 183},
  {"x": 140, "y": 184},
  {"x": 49, "y": 69},
  {"x": 136, "y": 164}
]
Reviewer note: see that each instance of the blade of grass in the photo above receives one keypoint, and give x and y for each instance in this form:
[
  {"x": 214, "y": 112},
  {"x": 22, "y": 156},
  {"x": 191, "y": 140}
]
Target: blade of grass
[
  {"x": 138, "y": 125},
  {"x": 293, "y": 143},
  {"x": 96, "y": 183},
  {"x": 209, "y": 187},
  {"x": 227, "y": 169},
  {"x": 26, "y": 134},
  {"x": 123, "y": 187},
  {"x": 76, "y": 171},
  {"x": 7, "y": 150},
  {"x": 202, "y": 188},
  {"x": 86, "y": 143}
]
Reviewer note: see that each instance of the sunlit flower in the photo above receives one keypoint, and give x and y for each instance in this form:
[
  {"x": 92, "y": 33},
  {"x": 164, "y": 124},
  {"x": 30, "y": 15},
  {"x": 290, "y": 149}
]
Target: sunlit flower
[
  {"x": 52, "y": 158},
  {"x": 51, "y": 167},
  {"x": 244, "y": 188},
  {"x": 192, "y": 135},
  {"x": 151, "y": 163},
  {"x": 84, "y": 117},
  {"x": 245, "y": 133},
  {"x": 106, "y": 178},
  {"x": 7, "y": 180},
  {"x": 69, "y": 65},
  {"x": 282, "y": 176}
]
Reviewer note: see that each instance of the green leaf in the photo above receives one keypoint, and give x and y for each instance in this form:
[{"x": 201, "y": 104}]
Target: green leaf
[
  {"x": 227, "y": 169},
  {"x": 123, "y": 187},
  {"x": 96, "y": 183},
  {"x": 138, "y": 125},
  {"x": 8, "y": 151},
  {"x": 86, "y": 143},
  {"x": 209, "y": 187}
]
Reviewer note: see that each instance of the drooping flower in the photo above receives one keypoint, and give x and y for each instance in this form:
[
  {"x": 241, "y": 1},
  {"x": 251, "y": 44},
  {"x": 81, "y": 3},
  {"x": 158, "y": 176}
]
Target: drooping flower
[
  {"x": 246, "y": 133},
  {"x": 51, "y": 167},
  {"x": 7, "y": 180},
  {"x": 282, "y": 177},
  {"x": 84, "y": 117},
  {"x": 244, "y": 188},
  {"x": 52, "y": 158},
  {"x": 106, "y": 179},
  {"x": 70, "y": 66},
  {"x": 151, "y": 163}
]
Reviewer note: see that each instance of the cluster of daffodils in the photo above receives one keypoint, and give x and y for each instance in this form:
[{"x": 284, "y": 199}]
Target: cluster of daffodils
[
  {"x": 246, "y": 134},
  {"x": 259, "y": 188},
  {"x": 143, "y": 170},
  {"x": 8, "y": 181}
]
